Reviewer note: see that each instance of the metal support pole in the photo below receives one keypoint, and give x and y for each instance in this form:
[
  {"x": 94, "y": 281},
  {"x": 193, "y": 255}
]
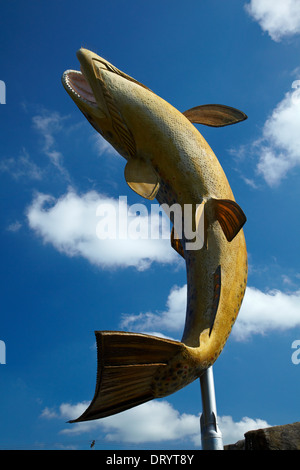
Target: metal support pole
[{"x": 211, "y": 435}]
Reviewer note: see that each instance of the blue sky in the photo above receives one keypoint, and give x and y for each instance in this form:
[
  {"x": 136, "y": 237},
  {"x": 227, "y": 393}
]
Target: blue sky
[{"x": 60, "y": 283}]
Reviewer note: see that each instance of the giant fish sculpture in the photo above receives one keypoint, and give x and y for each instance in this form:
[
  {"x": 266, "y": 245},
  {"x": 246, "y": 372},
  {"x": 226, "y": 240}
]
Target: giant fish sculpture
[{"x": 167, "y": 159}]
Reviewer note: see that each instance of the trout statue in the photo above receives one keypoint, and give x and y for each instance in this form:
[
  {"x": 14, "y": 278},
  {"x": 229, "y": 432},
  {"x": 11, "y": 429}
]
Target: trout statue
[{"x": 167, "y": 159}]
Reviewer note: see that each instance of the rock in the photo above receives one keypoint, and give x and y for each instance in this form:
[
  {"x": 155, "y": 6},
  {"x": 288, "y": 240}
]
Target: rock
[
  {"x": 285, "y": 437},
  {"x": 239, "y": 445}
]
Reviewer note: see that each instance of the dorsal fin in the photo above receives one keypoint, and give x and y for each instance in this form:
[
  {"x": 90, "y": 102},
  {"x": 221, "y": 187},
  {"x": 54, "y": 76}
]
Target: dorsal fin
[
  {"x": 230, "y": 216},
  {"x": 214, "y": 115}
]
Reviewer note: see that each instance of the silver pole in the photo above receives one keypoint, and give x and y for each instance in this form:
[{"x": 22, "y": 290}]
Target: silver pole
[{"x": 211, "y": 435}]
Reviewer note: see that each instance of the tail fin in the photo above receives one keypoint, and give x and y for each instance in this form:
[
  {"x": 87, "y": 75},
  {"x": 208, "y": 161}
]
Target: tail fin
[{"x": 127, "y": 364}]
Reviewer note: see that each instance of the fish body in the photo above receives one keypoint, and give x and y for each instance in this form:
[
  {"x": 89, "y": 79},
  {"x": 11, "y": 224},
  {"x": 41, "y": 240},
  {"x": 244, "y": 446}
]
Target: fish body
[{"x": 167, "y": 159}]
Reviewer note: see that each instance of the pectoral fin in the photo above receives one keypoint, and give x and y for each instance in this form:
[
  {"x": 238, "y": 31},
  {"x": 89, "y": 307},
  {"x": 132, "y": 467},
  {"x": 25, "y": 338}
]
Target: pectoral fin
[
  {"x": 215, "y": 115},
  {"x": 142, "y": 178},
  {"x": 230, "y": 216}
]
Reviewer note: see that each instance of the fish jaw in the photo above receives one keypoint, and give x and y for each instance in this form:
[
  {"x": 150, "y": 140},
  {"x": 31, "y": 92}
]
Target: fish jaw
[
  {"x": 91, "y": 66},
  {"x": 139, "y": 124},
  {"x": 87, "y": 89},
  {"x": 86, "y": 86},
  {"x": 90, "y": 91},
  {"x": 81, "y": 92}
]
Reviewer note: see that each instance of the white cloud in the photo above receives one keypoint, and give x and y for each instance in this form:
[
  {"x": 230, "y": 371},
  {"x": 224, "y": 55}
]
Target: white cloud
[
  {"x": 104, "y": 147},
  {"x": 48, "y": 124},
  {"x": 49, "y": 414},
  {"x": 21, "y": 167},
  {"x": 277, "y": 150},
  {"x": 280, "y": 18},
  {"x": 171, "y": 319},
  {"x": 155, "y": 421},
  {"x": 72, "y": 224},
  {"x": 233, "y": 432},
  {"x": 152, "y": 422},
  {"x": 265, "y": 312},
  {"x": 280, "y": 143},
  {"x": 261, "y": 313},
  {"x": 14, "y": 226}
]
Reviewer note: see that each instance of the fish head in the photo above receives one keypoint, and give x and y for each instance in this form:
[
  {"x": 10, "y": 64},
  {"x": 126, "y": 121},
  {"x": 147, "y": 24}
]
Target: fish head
[
  {"x": 88, "y": 89},
  {"x": 111, "y": 100}
]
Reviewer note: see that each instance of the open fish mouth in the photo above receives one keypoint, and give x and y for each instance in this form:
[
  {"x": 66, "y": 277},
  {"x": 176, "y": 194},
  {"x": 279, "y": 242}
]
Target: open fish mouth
[{"x": 76, "y": 83}]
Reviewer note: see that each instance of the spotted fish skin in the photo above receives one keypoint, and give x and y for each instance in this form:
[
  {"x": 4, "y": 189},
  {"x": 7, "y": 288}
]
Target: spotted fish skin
[
  {"x": 216, "y": 284},
  {"x": 167, "y": 159}
]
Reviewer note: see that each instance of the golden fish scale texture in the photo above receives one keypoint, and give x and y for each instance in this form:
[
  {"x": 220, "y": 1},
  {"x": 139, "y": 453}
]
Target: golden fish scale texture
[
  {"x": 164, "y": 135},
  {"x": 190, "y": 171}
]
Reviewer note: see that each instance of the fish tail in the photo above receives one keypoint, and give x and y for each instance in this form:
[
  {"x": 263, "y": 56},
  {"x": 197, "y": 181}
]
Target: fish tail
[{"x": 132, "y": 369}]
